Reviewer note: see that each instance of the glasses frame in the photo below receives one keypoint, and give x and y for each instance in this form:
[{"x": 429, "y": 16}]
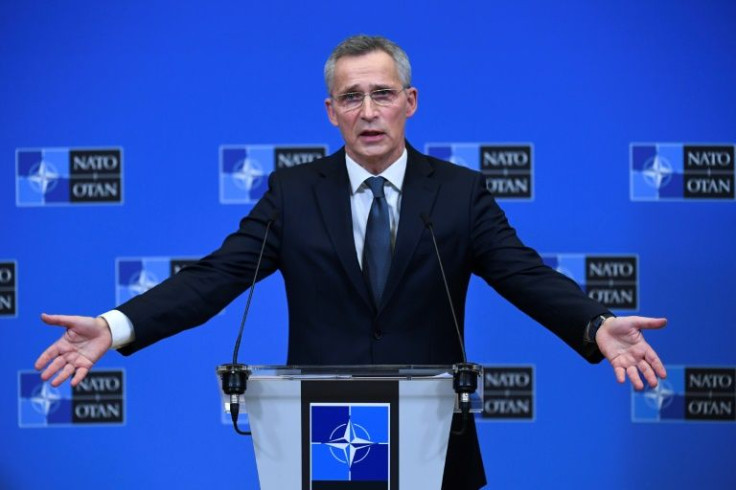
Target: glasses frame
[{"x": 340, "y": 104}]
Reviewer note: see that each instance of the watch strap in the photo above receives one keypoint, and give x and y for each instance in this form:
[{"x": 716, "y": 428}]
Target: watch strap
[{"x": 593, "y": 326}]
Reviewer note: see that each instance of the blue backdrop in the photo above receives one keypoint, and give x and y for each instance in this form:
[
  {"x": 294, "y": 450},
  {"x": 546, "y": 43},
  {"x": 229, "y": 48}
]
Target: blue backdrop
[{"x": 170, "y": 82}]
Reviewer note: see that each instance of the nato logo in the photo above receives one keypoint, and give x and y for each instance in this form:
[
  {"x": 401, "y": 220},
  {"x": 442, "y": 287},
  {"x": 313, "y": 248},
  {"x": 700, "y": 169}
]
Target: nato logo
[
  {"x": 688, "y": 394},
  {"x": 508, "y": 393},
  {"x": 244, "y": 169},
  {"x": 63, "y": 176},
  {"x": 8, "y": 289},
  {"x": 506, "y": 167},
  {"x": 97, "y": 399},
  {"x": 137, "y": 275},
  {"x": 612, "y": 280},
  {"x": 349, "y": 445},
  {"x": 673, "y": 171}
]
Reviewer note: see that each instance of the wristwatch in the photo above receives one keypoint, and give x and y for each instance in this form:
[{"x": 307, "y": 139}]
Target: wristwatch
[{"x": 592, "y": 328}]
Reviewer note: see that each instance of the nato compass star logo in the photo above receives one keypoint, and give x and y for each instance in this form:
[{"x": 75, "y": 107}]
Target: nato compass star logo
[
  {"x": 40, "y": 404},
  {"x": 43, "y": 177},
  {"x": 248, "y": 174},
  {"x": 137, "y": 275},
  {"x": 657, "y": 171},
  {"x": 661, "y": 396},
  {"x": 244, "y": 171},
  {"x": 45, "y": 399},
  {"x": 347, "y": 446},
  {"x": 142, "y": 282},
  {"x": 349, "y": 442},
  {"x": 663, "y": 403}
]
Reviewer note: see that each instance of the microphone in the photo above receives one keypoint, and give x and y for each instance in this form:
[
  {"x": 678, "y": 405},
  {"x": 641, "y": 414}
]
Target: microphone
[
  {"x": 465, "y": 379},
  {"x": 235, "y": 377}
]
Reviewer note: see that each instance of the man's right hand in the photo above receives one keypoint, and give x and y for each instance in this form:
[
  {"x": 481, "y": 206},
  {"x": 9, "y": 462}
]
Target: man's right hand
[{"x": 84, "y": 342}]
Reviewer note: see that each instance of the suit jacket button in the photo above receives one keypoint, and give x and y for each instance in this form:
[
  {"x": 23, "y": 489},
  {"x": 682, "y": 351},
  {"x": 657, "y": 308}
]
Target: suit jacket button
[{"x": 377, "y": 334}]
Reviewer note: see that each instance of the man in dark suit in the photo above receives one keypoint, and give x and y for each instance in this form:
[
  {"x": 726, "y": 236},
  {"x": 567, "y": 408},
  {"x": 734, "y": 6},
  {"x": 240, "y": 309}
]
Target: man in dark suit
[{"x": 350, "y": 237}]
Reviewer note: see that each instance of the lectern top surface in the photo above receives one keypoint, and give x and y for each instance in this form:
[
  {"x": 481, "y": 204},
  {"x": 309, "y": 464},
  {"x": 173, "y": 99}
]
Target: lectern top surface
[{"x": 345, "y": 372}]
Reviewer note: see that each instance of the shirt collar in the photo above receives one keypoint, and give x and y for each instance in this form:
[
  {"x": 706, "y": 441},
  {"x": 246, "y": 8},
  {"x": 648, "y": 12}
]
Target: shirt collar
[{"x": 394, "y": 173}]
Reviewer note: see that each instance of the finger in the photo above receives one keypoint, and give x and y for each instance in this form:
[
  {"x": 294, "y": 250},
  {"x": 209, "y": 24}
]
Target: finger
[
  {"x": 648, "y": 373},
  {"x": 57, "y": 320},
  {"x": 633, "y": 374},
  {"x": 620, "y": 374},
  {"x": 650, "y": 323},
  {"x": 656, "y": 364},
  {"x": 53, "y": 368},
  {"x": 79, "y": 375},
  {"x": 63, "y": 375},
  {"x": 46, "y": 356}
]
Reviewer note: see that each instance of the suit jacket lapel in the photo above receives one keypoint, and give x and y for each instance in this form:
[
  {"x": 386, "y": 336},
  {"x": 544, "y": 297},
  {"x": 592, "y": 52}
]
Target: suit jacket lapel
[
  {"x": 332, "y": 193},
  {"x": 418, "y": 194}
]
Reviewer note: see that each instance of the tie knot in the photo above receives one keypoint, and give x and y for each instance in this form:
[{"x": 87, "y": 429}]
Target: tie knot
[{"x": 375, "y": 184}]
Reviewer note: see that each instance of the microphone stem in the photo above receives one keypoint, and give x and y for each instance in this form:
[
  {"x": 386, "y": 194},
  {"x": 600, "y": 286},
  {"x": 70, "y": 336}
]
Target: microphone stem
[
  {"x": 250, "y": 294},
  {"x": 447, "y": 290}
]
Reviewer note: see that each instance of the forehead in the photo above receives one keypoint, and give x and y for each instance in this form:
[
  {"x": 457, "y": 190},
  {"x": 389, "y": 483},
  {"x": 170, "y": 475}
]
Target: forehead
[{"x": 365, "y": 72}]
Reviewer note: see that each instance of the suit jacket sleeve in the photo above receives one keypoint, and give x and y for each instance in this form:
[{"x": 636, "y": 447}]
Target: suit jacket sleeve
[
  {"x": 200, "y": 291},
  {"x": 519, "y": 275}
]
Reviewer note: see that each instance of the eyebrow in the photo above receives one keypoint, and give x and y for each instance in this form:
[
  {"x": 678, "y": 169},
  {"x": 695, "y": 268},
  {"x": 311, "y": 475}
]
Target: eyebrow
[{"x": 356, "y": 88}]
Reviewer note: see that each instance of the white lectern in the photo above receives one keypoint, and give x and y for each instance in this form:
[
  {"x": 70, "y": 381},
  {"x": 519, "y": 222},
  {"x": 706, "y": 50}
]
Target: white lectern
[{"x": 356, "y": 427}]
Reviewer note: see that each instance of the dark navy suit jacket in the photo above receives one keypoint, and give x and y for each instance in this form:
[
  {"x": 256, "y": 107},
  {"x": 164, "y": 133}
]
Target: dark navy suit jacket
[{"x": 332, "y": 319}]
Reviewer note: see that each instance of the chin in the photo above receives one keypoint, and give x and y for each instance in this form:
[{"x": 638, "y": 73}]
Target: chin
[{"x": 375, "y": 151}]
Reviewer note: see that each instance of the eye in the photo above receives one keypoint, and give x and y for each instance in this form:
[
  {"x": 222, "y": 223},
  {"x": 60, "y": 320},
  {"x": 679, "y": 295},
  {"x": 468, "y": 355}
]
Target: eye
[
  {"x": 350, "y": 97},
  {"x": 383, "y": 95}
]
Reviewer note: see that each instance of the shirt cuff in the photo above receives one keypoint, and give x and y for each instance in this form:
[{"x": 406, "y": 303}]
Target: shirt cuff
[{"x": 120, "y": 327}]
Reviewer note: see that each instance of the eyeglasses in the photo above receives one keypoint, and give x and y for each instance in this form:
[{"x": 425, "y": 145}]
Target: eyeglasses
[{"x": 383, "y": 97}]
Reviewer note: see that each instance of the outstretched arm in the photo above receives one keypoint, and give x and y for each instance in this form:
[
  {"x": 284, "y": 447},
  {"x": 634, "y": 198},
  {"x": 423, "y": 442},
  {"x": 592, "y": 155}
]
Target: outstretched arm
[
  {"x": 621, "y": 341},
  {"x": 83, "y": 343}
]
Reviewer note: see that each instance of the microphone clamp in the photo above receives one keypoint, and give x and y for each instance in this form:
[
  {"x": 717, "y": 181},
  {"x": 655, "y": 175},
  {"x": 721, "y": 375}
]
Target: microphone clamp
[
  {"x": 465, "y": 380},
  {"x": 465, "y": 383},
  {"x": 234, "y": 381}
]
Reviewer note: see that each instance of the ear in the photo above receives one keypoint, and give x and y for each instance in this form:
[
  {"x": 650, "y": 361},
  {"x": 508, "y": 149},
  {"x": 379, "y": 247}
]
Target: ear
[
  {"x": 331, "y": 115},
  {"x": 412, "y": 95}
]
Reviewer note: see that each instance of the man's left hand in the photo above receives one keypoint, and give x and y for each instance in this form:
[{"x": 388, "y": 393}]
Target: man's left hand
[{"x": 621, "y": 341}]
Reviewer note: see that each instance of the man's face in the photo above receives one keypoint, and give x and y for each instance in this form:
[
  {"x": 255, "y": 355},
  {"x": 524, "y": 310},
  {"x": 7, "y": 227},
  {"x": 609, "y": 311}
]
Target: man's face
[{"x": 373, "y": 134}]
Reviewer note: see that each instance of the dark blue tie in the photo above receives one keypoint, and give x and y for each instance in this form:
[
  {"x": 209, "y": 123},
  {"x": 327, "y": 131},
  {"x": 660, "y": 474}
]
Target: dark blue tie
[{"x": 377, "y": 248}]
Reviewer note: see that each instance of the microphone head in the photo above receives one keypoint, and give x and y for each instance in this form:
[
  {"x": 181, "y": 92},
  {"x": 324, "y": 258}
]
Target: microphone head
[{"x": 425, "y": 219}]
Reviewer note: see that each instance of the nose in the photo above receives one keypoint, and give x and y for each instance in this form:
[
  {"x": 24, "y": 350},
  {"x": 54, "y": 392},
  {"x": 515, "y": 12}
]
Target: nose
[{"x": 368, "y": 110}]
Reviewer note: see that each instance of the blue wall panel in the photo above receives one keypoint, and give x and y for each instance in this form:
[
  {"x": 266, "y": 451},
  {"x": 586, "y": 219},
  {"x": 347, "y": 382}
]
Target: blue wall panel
[{"x": 169, "y": 82}]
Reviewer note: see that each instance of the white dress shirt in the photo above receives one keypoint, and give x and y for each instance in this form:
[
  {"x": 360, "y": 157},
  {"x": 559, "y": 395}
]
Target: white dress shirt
[{"x": 361, "y": 198}]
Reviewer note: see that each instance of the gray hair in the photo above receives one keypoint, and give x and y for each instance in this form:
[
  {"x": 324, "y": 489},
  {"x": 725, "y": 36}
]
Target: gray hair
[{"x": 362, "y": 44}]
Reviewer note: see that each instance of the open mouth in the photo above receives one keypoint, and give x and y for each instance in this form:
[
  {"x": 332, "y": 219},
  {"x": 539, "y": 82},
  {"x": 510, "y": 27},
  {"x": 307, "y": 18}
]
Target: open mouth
[{"x": 371, "y": 135}]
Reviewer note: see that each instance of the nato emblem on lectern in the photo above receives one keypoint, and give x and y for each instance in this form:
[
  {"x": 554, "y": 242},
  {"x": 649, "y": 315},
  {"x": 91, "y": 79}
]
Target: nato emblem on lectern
[
  {"x": 65, "y": 176},
  {"x": 8, "y": 289},
  {"x": 97, "y": 399},
  {"x": 688, "y": 394},
  {"x": 507, "y": 167},
  {"x": 349, "y": 445},
  {"x": 244, "y": 169},
  {"x": 677, "y": 171},
  {"x": 612, "y": 280}
]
